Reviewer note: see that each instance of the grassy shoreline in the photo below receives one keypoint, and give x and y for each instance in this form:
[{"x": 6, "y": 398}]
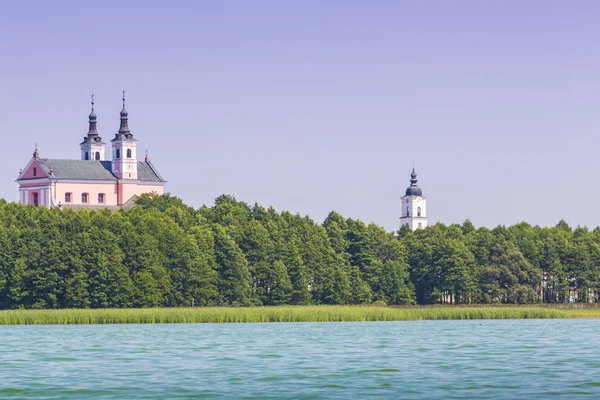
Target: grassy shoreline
[{"x": 289, "y": 314}]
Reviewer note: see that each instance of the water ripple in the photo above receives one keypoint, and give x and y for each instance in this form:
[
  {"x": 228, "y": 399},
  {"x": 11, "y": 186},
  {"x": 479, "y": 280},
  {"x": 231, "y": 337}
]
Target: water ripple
[{"x": 420, "y": 359}]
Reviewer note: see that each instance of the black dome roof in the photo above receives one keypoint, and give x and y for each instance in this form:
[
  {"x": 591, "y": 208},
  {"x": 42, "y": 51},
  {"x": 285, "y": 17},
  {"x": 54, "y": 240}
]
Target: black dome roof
[{"x": 413, "y": 189}]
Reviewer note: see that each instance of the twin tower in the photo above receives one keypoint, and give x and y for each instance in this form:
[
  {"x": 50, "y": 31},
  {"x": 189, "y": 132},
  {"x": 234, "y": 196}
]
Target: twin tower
[
  {"x": 414, "y": 206},
  {"x": 124, "y": 155}
]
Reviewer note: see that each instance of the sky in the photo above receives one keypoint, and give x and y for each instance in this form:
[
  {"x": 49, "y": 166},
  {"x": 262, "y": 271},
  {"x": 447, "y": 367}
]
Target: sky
[{"x": 313, "y": 106}]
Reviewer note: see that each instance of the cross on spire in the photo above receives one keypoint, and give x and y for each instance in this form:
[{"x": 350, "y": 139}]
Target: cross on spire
[{"x": 92, "y": 102}]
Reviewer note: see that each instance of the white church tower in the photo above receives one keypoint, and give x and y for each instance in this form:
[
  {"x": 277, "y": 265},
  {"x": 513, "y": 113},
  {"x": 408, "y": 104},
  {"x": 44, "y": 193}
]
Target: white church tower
[
  {"x": 414, "y": 206},
  {"x": 124, "y": 162}
]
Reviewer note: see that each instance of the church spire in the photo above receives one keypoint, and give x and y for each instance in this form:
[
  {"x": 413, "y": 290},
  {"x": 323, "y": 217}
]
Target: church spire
[
  {"x": 92, "y": 147},
  {"x": 92, "y": 120},
  {"x": 124, "y": 128},
  {"x": 413, "y": 176}
]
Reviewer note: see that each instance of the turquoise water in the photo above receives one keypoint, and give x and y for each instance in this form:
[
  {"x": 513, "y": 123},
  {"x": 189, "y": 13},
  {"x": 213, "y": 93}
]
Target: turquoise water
[{"x": 428, "y": 359}]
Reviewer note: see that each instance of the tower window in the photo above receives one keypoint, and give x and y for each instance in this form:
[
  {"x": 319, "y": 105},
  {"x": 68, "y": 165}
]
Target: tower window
[
  {"x": 36, "y": 201},
  {"x": 420, "y": 226},
  {"x": 84, "y": 198},
  {"x": 97, "y": 156},
  {"x": 419, "y": 212},
  {"x": 68, "y": 197},
  {"x": 87, "y": 155},
  {"x": 407, "y": 213},
  {"x": 118, "y": 153},
  {"x": 100, "y": 198},
  {"x": 128, "y": 153},
  {"x": 34, "y": 171}
]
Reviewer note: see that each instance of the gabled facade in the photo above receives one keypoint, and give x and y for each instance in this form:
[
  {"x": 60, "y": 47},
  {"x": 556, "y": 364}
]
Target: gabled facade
[{"x": 92, "y": 181}]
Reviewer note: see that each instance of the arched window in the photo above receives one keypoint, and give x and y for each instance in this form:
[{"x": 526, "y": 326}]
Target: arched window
[
  {"x": 97, "y": 156},
  {"x": 68, "y": 197},
  {"x": 100, "y": 198},
  {"x": 84, "y": 198},
  {"x": 87, "y": 155},
  {"x": 34, "y": 171},
  {"x": 407, "y": 213},
  {"x": 128, "y": 153},
  {"x": 418, "y": 211},
  {"x": 118, "y": 153},
  {"x": 420, "y": 226},
  {"x": 36, "y": 199}
]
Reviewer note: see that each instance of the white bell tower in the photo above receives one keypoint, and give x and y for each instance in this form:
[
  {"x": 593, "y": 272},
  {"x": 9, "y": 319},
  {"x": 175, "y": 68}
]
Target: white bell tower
[
  {"x": 414, "y": 206},
  {"x": 124, "y": 156}
]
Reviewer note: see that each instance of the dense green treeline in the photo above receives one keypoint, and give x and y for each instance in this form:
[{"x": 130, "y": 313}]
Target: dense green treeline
[{"x": 164, "y": 253}]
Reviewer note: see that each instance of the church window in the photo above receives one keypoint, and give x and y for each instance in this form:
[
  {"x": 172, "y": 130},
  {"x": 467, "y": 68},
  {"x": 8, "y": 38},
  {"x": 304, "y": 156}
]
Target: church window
[
  {"x": 128, "y": 153},
  {"x": 68, "y": 197},
  {"x": 100, "y": 198},
  {"x": 34, "y": 171},
  {"x": 420, "y": 226},
  {"x": 97, "y": 156},
  {"x": 407, "y": 213},
  {"x": 87, "y": 155},
  {"x": 118, "y": 153},
  {"x": 84, "y": 198},
  {"x": 36, "y": 201},
  {"x": 419, "y": 212}
]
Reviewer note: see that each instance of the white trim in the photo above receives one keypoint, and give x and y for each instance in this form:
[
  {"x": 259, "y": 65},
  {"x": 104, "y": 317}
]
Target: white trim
[{"x": 36, "y": 187}]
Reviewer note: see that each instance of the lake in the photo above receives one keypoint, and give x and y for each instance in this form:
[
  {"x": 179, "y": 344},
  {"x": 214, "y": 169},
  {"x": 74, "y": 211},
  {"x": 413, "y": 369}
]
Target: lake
[{"x": 422, "y": 359}]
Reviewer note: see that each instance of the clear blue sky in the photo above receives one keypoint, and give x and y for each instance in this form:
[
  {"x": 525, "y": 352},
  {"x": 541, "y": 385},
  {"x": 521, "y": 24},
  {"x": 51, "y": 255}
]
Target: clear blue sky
[{"x": 312, "y": 106}]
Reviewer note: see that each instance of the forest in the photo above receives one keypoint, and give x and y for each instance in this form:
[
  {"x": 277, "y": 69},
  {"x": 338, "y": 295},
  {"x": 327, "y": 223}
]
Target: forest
[{"x": 163, "y": 253}]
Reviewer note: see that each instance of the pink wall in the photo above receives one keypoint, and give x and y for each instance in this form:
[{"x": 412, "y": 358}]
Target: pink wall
[
  {"x": 111, "y": 195},
  {"x": 131, "y": 189},
  {"x": 91, "y": 188},
  {"x": 37, "y": 183}
]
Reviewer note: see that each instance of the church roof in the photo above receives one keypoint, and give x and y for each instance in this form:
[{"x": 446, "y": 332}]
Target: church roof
[
  {"x": 413, "y": 189},
  {"x": 92, "y": 170}
]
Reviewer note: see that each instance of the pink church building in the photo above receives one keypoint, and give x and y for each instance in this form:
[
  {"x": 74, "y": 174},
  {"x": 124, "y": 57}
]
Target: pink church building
[{"x": 91, "y": 182}]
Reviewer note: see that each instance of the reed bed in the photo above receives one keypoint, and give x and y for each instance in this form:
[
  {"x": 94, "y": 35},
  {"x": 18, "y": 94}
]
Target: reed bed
[{"x": 288, "y": 314}]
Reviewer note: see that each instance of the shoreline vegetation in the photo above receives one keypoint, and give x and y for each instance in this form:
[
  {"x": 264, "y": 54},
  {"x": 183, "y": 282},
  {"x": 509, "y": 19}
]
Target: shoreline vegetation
[
  {"x": 291, "y": 314},
  {"x": 165, "y": 254}
]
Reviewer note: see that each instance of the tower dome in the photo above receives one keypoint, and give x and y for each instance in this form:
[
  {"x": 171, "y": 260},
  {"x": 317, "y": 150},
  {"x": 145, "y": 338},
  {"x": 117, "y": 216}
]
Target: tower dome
[{"x": 413, "y": 189}]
